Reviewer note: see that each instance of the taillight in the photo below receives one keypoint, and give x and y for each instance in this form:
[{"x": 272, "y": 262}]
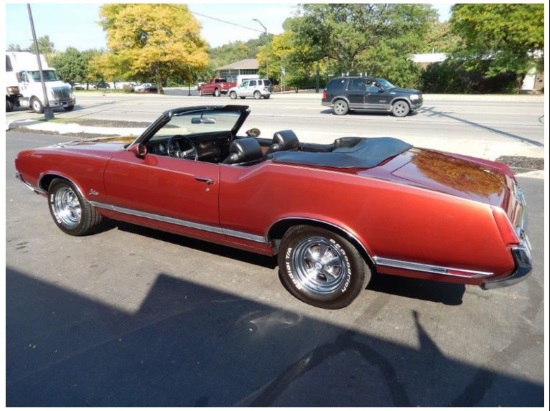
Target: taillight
[{"x": 324, "y": 94}]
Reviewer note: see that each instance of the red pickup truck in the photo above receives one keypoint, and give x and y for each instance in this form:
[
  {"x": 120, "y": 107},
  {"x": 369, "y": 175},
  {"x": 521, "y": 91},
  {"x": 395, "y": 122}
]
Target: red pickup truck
[{"x": 216, "y": 87}]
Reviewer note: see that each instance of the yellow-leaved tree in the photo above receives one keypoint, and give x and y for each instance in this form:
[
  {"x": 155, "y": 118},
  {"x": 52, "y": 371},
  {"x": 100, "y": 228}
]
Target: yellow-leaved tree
[{"x": 151, "y": 41}]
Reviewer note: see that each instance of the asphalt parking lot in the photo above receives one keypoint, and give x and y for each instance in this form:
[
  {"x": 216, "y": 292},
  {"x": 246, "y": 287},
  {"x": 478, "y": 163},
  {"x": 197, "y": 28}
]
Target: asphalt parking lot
[{"x": 135, "y": 317}]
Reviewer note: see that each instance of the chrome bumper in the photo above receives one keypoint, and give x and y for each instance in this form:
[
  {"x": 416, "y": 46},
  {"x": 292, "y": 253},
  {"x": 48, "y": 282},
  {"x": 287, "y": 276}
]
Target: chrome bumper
[{"x": 522, "y": 257}]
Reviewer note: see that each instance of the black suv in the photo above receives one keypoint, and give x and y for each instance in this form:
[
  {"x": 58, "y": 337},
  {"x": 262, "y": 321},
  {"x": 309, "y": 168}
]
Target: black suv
[{"x": 344, "y": 94}]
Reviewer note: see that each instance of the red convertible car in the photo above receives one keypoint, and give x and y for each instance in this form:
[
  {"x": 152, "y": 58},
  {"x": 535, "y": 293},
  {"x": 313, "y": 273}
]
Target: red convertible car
[{"x": 333, "y": 213}]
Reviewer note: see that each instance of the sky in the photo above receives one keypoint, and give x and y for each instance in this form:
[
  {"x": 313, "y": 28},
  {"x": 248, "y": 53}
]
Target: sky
[{"x": 75, "y": 24}]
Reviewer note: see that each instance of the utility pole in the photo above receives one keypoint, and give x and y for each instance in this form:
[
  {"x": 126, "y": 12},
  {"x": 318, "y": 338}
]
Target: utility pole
[
  {"x": 265, "y": 32},
  {"x": 48, "y": 112}
]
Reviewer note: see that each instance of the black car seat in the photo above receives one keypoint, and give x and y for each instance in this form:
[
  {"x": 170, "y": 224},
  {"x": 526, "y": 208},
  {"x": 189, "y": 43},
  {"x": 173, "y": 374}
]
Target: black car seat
[
  {"x": 244, "y": 151},
  {"x": 282, "y": 141}
]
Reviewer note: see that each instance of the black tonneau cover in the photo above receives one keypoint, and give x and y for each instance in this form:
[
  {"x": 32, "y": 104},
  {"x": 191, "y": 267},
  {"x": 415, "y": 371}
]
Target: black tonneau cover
[{"x": 364, "y": 153}]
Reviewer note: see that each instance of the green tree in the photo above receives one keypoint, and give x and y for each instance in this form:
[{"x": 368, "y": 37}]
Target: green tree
[
  {"x": 439, "y": 39},
  {"x": 73, "y": 65},
  {"x": 46, "y": 47},
  {"x": 151, "y": 42},
  {"x": 286, "y": 54},
  {"x": 499, "y": 38},
  {"x": 366, "y": 38}
]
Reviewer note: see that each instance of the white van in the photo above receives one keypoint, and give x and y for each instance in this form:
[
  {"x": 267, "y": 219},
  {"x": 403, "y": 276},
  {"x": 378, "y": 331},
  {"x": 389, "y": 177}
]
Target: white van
[{"x": 24, "y": 86}]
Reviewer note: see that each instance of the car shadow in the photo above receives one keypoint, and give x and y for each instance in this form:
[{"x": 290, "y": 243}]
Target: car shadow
[
  {"x": 426, "y": 290},
  {"x": 191, "y": 345},
  {"x": 435, "y": 291},
  {"x": 204, "y": 246}
]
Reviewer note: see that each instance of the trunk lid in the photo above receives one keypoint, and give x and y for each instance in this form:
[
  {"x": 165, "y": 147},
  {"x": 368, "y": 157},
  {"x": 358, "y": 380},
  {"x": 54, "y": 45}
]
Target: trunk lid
[{"x": 460, "y": 176}]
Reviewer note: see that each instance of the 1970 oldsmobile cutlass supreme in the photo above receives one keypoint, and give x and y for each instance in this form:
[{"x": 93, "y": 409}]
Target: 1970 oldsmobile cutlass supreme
[{"x": 333, "y": 213}]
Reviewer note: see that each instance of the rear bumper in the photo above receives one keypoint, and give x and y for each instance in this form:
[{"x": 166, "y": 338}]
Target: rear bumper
[{"x": 522, "y": 257}]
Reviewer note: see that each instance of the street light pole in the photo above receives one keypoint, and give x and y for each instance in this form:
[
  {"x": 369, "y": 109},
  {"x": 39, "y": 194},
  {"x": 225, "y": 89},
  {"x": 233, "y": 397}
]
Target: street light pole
[
  {"x": 48, "y": 112},
  {"x": 265, "y": 32}
]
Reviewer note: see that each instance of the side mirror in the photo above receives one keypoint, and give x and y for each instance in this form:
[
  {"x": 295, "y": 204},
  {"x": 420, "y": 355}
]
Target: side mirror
[{"x": 139, "y": 150}]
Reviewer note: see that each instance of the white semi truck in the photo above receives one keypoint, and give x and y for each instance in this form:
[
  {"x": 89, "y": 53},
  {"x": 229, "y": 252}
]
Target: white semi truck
[{"x": 24, "y": 87}]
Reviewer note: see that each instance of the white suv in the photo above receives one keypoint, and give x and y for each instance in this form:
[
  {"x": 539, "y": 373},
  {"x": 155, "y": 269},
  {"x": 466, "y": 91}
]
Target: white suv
[{"x": 256, "y": 88}]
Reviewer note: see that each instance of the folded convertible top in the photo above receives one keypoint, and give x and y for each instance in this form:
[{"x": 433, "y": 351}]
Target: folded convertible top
[{"x": 364, "y": 153}]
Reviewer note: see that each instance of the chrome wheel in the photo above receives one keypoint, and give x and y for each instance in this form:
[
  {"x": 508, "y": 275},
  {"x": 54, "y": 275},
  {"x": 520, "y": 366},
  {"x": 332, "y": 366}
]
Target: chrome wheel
[
  {"x": 320, "y": 266},
  {"x": 66, "y": 207},
  {"x": 71, "y": 212}
]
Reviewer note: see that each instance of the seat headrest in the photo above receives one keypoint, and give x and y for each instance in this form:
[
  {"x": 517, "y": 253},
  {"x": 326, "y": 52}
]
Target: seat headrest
[
  {"x": 244, "y": 150},
  {"x": 286, "y": 140}
]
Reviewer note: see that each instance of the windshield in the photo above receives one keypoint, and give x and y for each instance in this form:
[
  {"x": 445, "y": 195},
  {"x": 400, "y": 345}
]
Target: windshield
[
  {"x": 49, "y": 75},
  {"x": 384, "y": 83},
  {"x": 198, "y": 122}
]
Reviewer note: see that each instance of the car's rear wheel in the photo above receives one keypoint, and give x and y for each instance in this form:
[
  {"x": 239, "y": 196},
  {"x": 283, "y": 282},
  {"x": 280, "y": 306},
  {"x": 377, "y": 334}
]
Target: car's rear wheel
[
  {"x": 72, "y": 213},
  {"x": 233, "y": 95},
  {"x": 217, "y": 93},
  {"x": 340, "y": 107},
  {"x": 400, "y": 108},
  {"x": 257, "y": 95},
  {"x": 321, "y": 267}
]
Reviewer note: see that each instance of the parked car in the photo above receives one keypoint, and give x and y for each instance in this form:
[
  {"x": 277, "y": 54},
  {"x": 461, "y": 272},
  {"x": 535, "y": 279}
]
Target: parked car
[
  {"x": 257, "y": 88},
  {"x": 145, "y": 88},
  {"x": 345, "y": 94},
  {"x": 216, "y": 87},
  {"x": 333, "y": 213},
  {"x": 79, "y": 86},
  {"x": 102, "y": 84}
]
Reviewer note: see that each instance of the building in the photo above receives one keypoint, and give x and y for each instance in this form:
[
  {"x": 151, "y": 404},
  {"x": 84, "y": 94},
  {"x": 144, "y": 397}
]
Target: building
[{"x": 231, "y": 71}]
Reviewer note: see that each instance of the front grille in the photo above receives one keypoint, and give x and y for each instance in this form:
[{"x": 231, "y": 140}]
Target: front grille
[{"x": 62, "y": 93}]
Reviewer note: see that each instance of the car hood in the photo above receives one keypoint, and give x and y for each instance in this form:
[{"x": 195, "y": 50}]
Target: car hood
[
  {"x": 461, "y": 176},
  {"x": 398, "y": 90}
]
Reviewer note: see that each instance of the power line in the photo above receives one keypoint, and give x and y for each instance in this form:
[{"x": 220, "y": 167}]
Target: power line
[{"x": 226, "y": 22}]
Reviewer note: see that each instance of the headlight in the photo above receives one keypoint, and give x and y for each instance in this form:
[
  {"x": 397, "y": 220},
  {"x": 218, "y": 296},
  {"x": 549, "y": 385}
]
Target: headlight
[{"x": 414, "y": 97}]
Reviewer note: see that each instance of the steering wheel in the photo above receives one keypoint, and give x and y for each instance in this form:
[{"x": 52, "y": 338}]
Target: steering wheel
[{"x": 174, "y": 149}]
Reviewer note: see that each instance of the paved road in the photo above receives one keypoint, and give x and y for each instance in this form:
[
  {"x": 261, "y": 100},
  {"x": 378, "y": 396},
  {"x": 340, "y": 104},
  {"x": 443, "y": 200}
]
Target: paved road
[
  {"x": 483, "y": 126},
  {"x": 134, "y": 317}
]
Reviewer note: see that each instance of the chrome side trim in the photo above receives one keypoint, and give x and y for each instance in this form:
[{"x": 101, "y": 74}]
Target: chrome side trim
[
  {"x": 182, "y": 223},
  {"x": 431, "y": 269}
]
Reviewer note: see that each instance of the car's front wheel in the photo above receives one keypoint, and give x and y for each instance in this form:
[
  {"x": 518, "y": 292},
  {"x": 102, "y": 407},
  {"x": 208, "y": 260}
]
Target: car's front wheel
[
  {"x": 340, "y": 107},
  {"x": 72, "y": 213},
  {"x": 400, "y": 108},
  {"x": 321, "y": 267},
  {"x": 257, "y": 95},
  {"x": 217, "y": 93},
  {"x": 233, "y": 95},
  {"x": 69, "y": 108},
  {"x": 37, "y": 106}
]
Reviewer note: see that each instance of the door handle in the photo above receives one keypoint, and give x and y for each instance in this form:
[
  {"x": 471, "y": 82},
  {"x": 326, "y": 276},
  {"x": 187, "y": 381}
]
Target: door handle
[{"x": 209, "y": 181}]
